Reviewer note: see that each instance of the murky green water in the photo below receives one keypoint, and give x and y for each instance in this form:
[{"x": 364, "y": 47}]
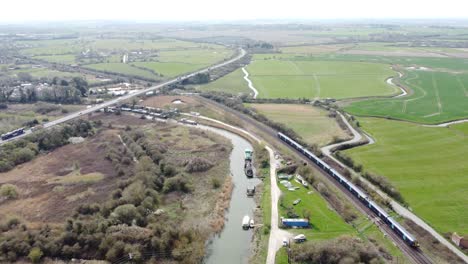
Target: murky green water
[{"x": 233, "y": 244}]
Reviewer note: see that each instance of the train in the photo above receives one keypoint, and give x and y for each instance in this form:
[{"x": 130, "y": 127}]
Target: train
[
  {"x": 354, "y": 190},
  {"x": 13, "y": 134}
]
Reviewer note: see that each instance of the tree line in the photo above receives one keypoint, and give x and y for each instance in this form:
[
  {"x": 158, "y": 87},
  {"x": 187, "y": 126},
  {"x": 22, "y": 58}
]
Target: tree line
[{"x": 58, "y": 90}]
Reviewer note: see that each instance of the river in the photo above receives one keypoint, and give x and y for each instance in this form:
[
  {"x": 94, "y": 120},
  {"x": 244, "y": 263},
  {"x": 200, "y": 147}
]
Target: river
[{"x": 233, "y": 244}]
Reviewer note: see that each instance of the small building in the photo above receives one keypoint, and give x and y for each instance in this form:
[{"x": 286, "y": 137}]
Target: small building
[{"x": 295, "y": 222}]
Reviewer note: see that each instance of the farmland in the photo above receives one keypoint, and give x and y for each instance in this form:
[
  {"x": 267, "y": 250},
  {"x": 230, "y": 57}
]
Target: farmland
[
  {"x": 149, "y": 59},
  {"x": 436, "y": 97},
  {"x": 124, "y": 69},
  {"x": 233, "y": 83},
  {"x": 427, "y": 165},
  {"x": 17, "y": 115},
  {"x": 319, "y": 79},
  {"x": 311, "y": 123}
]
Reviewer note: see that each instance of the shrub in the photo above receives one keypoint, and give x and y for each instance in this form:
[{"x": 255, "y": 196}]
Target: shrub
[
  {"x": 178, "y": 183},
  {"x": 35, "y": 255},
  {"x": 340, "y": 250},
  {"x": 198, "y": 164},
  {"x": 125, "y": 213},
  {"x": 215, "y": 182},
  {"x": 9, "y": 191},
  {"x": 5, "y": 165},
  {"x": 23, "y": 155}
]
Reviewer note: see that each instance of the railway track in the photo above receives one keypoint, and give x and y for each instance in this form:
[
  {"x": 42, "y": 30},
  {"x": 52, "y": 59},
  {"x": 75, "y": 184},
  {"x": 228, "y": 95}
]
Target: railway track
[{"x": 415, "y": 255}]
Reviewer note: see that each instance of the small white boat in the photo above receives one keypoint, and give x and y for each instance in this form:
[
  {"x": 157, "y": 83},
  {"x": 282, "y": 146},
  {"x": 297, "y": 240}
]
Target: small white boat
[
  {"x": 300, "y": 238},
  {"x": 246, "y": 222}
]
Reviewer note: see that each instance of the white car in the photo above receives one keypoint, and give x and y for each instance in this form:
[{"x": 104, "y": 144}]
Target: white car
[{"x": 285, "y": 242}]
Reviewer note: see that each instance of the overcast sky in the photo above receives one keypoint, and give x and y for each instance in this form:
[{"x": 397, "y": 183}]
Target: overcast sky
[{"x": 203, "y": 10}]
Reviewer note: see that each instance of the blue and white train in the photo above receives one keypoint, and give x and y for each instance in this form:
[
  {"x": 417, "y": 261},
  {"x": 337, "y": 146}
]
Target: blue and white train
[
  {"x": 353, "y": 189},
  {"x": 12, "y": 134}
]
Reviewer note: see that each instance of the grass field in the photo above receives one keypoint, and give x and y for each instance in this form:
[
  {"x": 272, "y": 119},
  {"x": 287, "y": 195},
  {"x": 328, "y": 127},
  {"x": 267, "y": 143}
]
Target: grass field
[
  {"x": 319, "y": 79},
  {"x": 311, "y": 123},
  {"x": 16, "y": 115},
  {"x": 169, "y": 69},
  {"x": 433, "y": 63},
  {"x": 325, "y": 222},
  {"x": 315, "y": 49},
  {"x": 124, "y": 69},
  {"x": 436, "y": 97},
  {"x": 233, "y": 83},
  {"x": 427, "y": 164},
  {"x": 168, "y": 57},
  {"x": 170, "y": 63},
  {"x": 63, "y": 59}
]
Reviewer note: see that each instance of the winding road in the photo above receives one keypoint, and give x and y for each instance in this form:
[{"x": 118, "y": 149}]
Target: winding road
[
  {"x": 396, "y": 206},
  {"x": 92, "y": 109}
]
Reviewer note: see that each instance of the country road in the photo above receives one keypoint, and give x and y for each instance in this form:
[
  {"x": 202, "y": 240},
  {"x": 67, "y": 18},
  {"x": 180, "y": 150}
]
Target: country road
[
  {"x": 396, "y": 206},
  {"x": 128, "y": 96},
  {"x": 276, "y": 234}
]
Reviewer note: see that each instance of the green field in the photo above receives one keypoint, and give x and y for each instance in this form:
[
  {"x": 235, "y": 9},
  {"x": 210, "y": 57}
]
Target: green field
[
  {"x": 457, "y": 64},
  {"x": 169, "y": 69},
  {"x": 311, "y": 123},
  {"x": 124, "y": 69},
  {"x": 169, "y": 57},
  {"x": 436, "y": 97},
  {"x": 325, "y": 222},
  {"x": 427, "y": 164},
  {"x": 205, "y": 56},
  {"x": 63, "y": 59},
  {"x": 319, "y": 79},
  {"x": 233, "y": 83}
]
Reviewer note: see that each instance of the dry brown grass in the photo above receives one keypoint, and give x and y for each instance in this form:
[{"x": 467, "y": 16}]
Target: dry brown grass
[
  {"x": 222, "y": 204},
  {"x": 166, "y": 101},
  {"x": 43, "y": 200}
]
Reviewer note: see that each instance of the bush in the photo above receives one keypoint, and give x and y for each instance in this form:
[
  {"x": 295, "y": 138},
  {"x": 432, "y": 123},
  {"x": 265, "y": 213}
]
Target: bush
[
  {"x": 340, "y": 250},
  {"x": 9, "y": 191},
  {"x": 125, "y": 213},
  {"x": 23, "y": 155},
  {"x": 5, "y": 165},
  {"x": 35, "y": 255},
  {"x": 198, "y": 164},
  {"x": 178, "y": 183},
  {"x": 215, "y": 182}
]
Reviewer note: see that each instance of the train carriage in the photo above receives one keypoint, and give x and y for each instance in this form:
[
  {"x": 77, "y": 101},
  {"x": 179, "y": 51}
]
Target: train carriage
[{"x": 353, "y": 189}]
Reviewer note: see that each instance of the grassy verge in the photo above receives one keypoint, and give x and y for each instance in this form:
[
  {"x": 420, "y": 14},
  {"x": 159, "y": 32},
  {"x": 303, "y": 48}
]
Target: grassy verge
[{"x": 311, "y": 123}]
